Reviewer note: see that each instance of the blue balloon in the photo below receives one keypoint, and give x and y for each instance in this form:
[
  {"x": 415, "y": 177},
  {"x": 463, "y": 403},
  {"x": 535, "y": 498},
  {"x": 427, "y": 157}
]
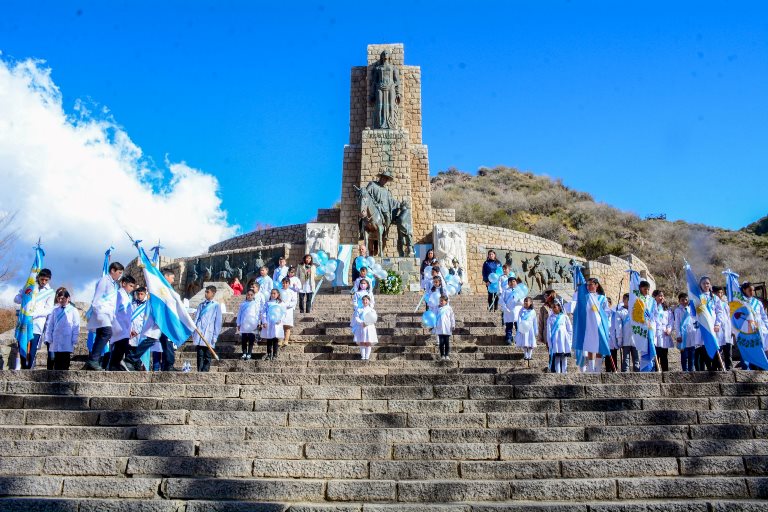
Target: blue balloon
[
  {"x": 499, "y": 271},
  {"x": 428, "y": 319},
  {"x": 322, "y": 256},
  {"x": 493, "y": 287},
  {"x": 275, "y": 313},
  {"x": 360, "y": 262},
  {"x": 493, "y": 278},
  {"x": 320, "y": 270}
]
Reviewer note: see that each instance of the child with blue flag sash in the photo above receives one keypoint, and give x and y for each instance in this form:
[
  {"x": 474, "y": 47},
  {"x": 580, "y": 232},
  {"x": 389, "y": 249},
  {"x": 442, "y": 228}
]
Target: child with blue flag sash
[
  {"x": 248, "y": 321},
  {"x": 272, "y": 324},
  {"x": 444, "y": 326},
  {"x": 362, "y": 291},
  {"x": 510, "y": 303},
  {"x": 685, "y": 332},
  {"x": 559, "y": 338},
  {"x": 208, "y": 321},
  {"x": 265, "y": 283},
  {"x": 121, "y": 324},
  {"x": 662, "y": 329},
  {"x": 62, "y": 330},
  {"x": 750, "y": 322},
  {"x": 363, "y": 324},
  {"x": 595, "y": 328},
  {"x": 527, "y": 328},
  {"x": 289, "y": 299},
  {"x": 144, "y": 331},
  {"x": 281, "y": 271},
  {"x": 103, "y": 307},
  {"x": 40, "y": 306}
]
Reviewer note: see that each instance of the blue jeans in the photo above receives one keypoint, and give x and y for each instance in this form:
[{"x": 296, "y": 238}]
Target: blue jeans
[
  {"x": 686, "y": 359},
  {"x": 29, "y": 362},
  {"x": 169, "y": 354},
  {"x": 103, "y": 334}
]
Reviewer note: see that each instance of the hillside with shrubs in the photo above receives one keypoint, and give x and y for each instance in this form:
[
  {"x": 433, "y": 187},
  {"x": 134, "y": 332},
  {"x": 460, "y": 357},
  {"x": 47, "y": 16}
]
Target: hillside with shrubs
[{"x": 543, "y": 206}]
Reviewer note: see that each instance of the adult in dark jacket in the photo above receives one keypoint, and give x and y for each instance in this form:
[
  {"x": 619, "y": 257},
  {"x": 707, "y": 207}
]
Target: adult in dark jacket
[{"x": 489, "y": 267}]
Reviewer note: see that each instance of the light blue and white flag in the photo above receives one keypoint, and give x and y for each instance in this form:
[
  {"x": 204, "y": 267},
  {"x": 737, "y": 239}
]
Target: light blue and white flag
[
  {"x": 584, "y": 307},
  {"x": 166, "y": 306},
  {"x": 342, "y": 268},
  {"x": 745, "y": 322},
  {"x": 25, "y": 327},
  {"x": 705, "y": 312},
  {"x": 642, "y": 320}
]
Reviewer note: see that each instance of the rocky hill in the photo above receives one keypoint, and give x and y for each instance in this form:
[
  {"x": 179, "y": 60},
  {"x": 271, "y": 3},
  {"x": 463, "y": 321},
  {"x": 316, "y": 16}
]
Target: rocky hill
[
  {"x": 545, "y": 207},
  {"x": 759, "y": 227}
]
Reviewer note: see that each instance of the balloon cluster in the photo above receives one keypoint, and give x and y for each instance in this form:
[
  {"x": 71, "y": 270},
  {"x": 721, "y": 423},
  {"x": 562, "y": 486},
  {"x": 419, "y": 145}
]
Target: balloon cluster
[
  {"x": 452, "y": 285},
  {"x": 494, "y": 280},
  {"x": 428, "y": 319},
  {"x": 275, "y": 313},
  {"x": 325, "y": 266}
]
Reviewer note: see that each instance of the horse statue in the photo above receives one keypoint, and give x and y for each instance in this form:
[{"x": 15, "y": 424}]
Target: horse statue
[{"x": 371, "y": 222}]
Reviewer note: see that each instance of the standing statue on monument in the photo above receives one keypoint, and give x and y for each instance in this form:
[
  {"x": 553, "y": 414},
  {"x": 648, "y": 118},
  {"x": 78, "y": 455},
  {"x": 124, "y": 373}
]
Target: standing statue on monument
[
  {"x": 402, "y": 219},
  {"x": 385, "y": 93}
]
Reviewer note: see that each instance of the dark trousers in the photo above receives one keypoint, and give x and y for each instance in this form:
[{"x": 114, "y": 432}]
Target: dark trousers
[
  {"x": 725, "y": 354},
  {"x": 116, "y": 355},
  {"x": 133, "y": 357},
  {"x": 50, "y": 359},
  {"x": 203, "y": 359},
  {"x": 29, "y": 362},
  {"x": 701, "y": 360},
  {"x": 61, "y": 360},
  {"x": 607, "y": 361},
  {"x": 272, "y": 347},
  {"x": 444, "y": 343},
  {"x": 308, "y": 298},
  {"x": 247, "y": 339},
  {"x": 103, "y": 334},
  {"x": 493, "y": 301},
  {"x": 687, "y": 359},
  {"x": 627, "y": 353},
  {"x": 663, "y": 355},
  {"x": 508, "y": 328},
  {"x": 157, "y": 361},
  {"x": 169, "y": 354}
]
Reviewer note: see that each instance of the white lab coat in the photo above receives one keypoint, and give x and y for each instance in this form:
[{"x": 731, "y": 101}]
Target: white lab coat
[
  {"x": 560, "y": 337},
  {"x": 62, "y": 329},
  {"x": 446, "y": 321},
  {"x": 279, "y": 274},
  {"x": 41, "y": 307},
  {"x": 527, "y": 328},
  {"x": 664, "y": 326},
  {"x": 510, "y": 306},
  {"x": 622, "y": 328},
  {"x": 685, "y": 330},
  {"x": 208, "y": 321},
  {"x": 363, "y": 333},
  {"x": 121, "y": 324},
  {"x": 265, "y": 286},
  {"x": 289, "y": 300},
  {"x": 724, "y": 336},
  {"x": 104, "y": 303},
  {"x": 357, "y": 299}
]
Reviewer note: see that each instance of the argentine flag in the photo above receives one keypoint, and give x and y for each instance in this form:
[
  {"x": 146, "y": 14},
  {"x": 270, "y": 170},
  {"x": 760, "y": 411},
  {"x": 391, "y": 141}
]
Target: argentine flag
[
  {"x": 744, "y": 319},
  {"x": 168, "y": 310}
]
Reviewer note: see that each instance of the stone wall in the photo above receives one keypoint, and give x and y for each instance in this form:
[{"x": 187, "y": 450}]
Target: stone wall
[
  {"x": 443, "y": 215},
  {"x": 329, "y": 215},
  {"x": 293, "y": 234}
]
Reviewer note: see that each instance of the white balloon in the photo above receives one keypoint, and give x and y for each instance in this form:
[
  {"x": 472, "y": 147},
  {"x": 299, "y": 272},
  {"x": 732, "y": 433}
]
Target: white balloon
[
  {"x": 370, "y": 317},
  {"x": 330, "y": 276},
  {"x": 331, "y": 266}
]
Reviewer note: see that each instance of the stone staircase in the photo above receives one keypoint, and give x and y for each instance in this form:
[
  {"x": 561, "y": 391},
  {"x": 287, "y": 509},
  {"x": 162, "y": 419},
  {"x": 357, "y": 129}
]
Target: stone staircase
[{"x": 319, "y": 430}]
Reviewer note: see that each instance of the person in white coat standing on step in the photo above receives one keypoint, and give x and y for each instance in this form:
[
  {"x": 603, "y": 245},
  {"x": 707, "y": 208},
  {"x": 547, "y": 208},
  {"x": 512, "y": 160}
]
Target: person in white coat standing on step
[{"x": 62, "y": 330}]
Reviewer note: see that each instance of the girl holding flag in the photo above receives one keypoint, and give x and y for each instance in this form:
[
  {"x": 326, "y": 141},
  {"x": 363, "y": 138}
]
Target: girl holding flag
[
  {"x": 685, "y": 332},
  {"x": 559, "y": 335},
  {"x": 62, "y": 330},
  {"x": 749, "y": 322}
]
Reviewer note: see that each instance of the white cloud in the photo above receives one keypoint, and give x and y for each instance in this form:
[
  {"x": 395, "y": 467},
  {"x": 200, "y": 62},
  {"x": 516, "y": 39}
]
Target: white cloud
[{"x": 78, "y": 181}]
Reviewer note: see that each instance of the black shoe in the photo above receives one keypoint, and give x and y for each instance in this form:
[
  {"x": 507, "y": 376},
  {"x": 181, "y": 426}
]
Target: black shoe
[{"x": 93, "y": 367}]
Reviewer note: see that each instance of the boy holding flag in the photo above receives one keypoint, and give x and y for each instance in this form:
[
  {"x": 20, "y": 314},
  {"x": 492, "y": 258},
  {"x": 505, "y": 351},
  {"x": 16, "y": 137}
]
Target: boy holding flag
[{"x": 40, "y": 303}]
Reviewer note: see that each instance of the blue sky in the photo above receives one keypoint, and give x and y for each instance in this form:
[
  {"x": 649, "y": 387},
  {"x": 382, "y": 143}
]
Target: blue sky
[{"x": 650, "y": 106}]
